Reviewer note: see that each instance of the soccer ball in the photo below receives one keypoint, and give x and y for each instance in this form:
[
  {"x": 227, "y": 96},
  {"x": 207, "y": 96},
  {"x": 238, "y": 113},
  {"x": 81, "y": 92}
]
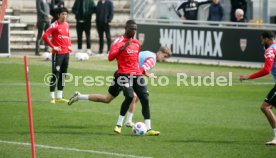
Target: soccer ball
[
  {"x": 82, "y": 56},
  {"x": 47, "y": 56},
  {"x": 139, "y": 129},
  {"x": 85, "y": 56}
]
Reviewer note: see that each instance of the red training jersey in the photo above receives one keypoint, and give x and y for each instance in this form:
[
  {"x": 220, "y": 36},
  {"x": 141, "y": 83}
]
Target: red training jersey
[
  {"x": 269, "y": 55},
  {"x": 60, "y": 37},
  {"x": 128, "y": 59}
]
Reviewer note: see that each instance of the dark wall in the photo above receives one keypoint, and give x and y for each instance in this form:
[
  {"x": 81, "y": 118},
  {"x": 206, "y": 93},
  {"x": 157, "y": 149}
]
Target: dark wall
[{"x": 212, "y": 42}]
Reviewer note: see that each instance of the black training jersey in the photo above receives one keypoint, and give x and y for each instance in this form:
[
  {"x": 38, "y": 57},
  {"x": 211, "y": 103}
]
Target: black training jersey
[{"x": 190, "y": 8}]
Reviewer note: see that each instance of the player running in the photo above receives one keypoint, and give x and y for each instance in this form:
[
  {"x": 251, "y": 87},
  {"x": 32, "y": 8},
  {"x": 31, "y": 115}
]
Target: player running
[
  {"x": 147, "y": 61},
  {"x": 127, "y": 47},
  {"x": 268, "y": 40},
  {"x": 61, "y": 46}
]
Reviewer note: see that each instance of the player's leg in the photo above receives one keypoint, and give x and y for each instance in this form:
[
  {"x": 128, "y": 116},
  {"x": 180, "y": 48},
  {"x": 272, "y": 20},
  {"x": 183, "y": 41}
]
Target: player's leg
[
  {"x": 140, "y": 89},
  {"x": 130, "y": 112},
  {"x": 266, "y": 108},
  {"x": 63, "y": 62},
  {"x": 113, "y": 91},
  {"x": 128, "y": 93},
  {"x": 91, "y": 97},
  {"x": 53, "y": 81}
]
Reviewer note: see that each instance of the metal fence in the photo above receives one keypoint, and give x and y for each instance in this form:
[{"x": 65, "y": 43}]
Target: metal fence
[{"x": 165, "y": 9}]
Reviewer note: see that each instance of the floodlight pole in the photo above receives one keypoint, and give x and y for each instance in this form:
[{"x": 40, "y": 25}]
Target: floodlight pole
[
  {"x": 266, "y": 12},
  {"x": 26, "y": 67}
]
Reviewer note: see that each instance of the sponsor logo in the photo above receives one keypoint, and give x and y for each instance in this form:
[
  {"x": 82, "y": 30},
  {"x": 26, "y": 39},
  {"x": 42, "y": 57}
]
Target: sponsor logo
[
  {"x": 192, "y": 42},
  {"x": 61, "y": 36},
  {"x": 58, "y": 68},
  {"x": 243, "y": 44}
]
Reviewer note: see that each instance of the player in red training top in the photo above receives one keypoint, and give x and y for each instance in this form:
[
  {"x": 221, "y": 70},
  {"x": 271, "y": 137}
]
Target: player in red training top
[
  {"x": 268, "y": 40},
  {"x": 125, "y": 49},
  {"x": 61, "y": 46},
  {"x": 147, "y": 61}
]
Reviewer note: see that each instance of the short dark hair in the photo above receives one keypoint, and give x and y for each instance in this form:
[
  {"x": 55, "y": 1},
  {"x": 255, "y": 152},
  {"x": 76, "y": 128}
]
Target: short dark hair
[
  {"x": 61, "y": 10},
  {"x": 130, "y": 22},
  {"x": 268, "y": 34}
]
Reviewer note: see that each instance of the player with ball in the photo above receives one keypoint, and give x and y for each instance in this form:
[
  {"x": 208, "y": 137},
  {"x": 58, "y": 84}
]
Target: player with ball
[{"x": 147, "y": 61}]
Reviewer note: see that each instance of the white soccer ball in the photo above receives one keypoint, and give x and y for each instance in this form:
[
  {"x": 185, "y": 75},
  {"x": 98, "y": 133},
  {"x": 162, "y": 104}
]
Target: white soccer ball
[
  {"x": 139, "y": 129},
  {"x": 47, "y": 56},
  {"x": 82, "y": 56},
  {"x": 85, "y": 56},
  {"x": 78, "y": 56}
]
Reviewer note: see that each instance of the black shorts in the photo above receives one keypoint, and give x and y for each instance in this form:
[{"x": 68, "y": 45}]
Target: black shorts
[
  {"x": 60, "y": 62},
  {"x": 271, "y": 97},
  {"x": 114, "y": 89}
]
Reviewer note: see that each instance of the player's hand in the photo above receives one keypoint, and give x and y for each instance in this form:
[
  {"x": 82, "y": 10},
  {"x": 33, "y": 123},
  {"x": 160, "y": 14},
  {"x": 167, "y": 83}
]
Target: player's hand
[
  {"x": 70, "y": 48},
  {"x": 243, "y": 77},
  {"x": 50, "y": 17},
  {"x": 125, "y": 46},
  {"x": 150, "y": 75},
  {"x": 57, "y": 48},
  {"x": 183, "y": 18}
]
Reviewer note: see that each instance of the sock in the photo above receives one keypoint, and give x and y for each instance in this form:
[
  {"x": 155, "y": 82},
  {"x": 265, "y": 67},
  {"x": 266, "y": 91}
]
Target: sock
[
  {"x": 59, "y": 94},
  {"x": 83, "y": 97},
  {"x": 129, "y": 117},
  {"x": 120, "y": 120},
  {"x": 52, "y": 95},
  {"x": 148, "y": 124},
  {"x": 274, "y": 133}
]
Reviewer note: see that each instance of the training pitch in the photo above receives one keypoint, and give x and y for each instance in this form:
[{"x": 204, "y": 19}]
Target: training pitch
[{"x": 195, "y": 121}]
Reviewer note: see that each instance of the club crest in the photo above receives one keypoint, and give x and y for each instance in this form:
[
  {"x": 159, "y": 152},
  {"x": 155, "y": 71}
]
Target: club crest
[{"x": 243, "y": 44}]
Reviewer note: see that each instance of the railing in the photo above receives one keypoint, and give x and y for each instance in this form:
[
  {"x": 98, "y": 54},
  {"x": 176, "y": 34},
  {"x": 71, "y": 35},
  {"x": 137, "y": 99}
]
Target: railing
[
  {"x": 257, "y": 9},
  {"x": 234, "y": 25},
  {"x": 138, "y": 8}
]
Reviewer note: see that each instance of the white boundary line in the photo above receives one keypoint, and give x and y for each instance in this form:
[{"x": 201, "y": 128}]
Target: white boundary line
[
  {"x": 73, "y": 149},
  {"x": 42, "y": 84}
]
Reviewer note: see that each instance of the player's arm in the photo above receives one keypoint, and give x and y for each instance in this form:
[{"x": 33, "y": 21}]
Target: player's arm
[
  {"x": 69, "y": 40},
  {"x": 46, "y": 39},
  {"x": 205, "y": 2},
  {"x": 114, "y": 51},
  {"x": 148, "y": 64},
  {"x": 117, "y": 47},
  {"x": 269, "y": 61},
  {"x": 178, "y": 8}
]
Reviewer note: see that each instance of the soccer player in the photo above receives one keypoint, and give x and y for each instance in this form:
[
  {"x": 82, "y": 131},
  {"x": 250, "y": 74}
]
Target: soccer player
[
  {"x": 125, "y": 49},
  {"x": 61, "y": 46},
  {"x": 268, "y": 40},
  {"x": 147, "y": 61}
]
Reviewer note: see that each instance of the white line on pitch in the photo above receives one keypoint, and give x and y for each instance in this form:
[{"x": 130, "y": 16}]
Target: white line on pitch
[
  {"x": 42, "y": 84},
  {"x": 73, "y": 149}
]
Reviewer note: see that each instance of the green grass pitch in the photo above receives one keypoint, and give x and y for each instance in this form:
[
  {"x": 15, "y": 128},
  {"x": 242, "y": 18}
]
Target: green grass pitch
[{"x": 194, "y": 121}]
